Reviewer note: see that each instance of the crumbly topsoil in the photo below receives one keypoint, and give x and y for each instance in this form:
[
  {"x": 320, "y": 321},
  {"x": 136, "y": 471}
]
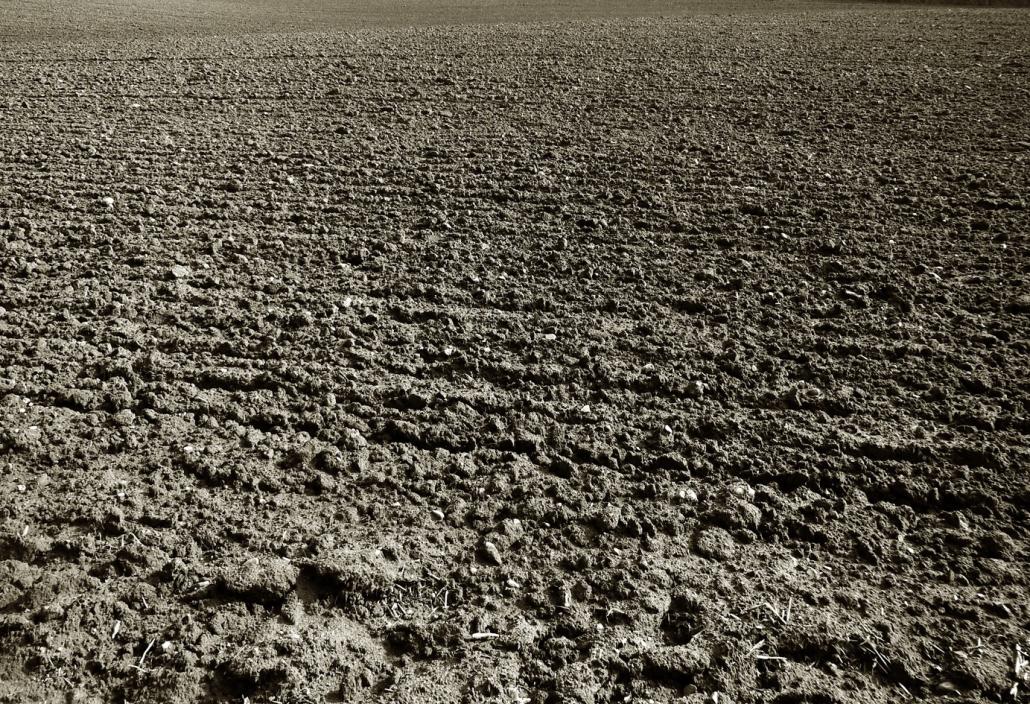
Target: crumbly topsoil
[{"x": 617, "y": 361}]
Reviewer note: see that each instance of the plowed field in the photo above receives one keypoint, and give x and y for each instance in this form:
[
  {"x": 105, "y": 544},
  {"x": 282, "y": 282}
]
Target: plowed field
[{"x": 615, "y": 360}]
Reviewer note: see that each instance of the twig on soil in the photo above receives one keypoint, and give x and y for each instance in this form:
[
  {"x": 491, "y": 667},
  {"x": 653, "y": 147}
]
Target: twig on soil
[
  {"x": 775, "y": 613},
  {"x": 146, "y": 652},
  {"x": 130, "y": 534},
  {"x": 1021, "y": 669},
  {"x": 879, "y": 658},
  {"x": 116, "y": 630},
  {"x": 483, "y": 635},
  {"x": 761, "y": 656},
  {"x": 610, "y": 611}
]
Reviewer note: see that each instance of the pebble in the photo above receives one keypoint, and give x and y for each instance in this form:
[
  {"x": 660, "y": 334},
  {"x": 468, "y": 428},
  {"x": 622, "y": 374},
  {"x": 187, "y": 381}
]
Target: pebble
[
  {"x": 107, "y": 201},
  {"x": 491, "y": 554},
  {"x": 743, "y": 491},
  {"x": 180, "y": 272}
]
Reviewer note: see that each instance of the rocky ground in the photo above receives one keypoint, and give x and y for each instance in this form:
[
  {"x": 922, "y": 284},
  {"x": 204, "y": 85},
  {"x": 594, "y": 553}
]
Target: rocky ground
[{"x": 642, "y": 360}]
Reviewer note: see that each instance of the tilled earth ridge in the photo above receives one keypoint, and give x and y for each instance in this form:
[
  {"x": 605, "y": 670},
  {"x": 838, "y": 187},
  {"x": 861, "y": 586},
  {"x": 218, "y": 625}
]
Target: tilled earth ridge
[{"x": 592, "y": 362}]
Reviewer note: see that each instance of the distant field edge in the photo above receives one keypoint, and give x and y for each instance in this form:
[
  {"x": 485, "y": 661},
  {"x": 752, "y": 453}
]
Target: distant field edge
[
  {"x": 938, "y": 3},
  {"x": 47, "y": 22}
]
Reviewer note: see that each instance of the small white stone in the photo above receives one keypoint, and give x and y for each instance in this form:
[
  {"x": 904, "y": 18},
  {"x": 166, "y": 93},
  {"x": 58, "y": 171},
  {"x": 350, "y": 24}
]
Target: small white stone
[
  {"x": 688, "y": 495},
  {"x": 743, "y": 491},
  {"x": 180, "y": 272}
]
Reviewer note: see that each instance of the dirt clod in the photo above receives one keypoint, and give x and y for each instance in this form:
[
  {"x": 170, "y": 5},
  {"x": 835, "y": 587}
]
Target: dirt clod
[
  {"x": 997, "y": 545},
  {"x": 715, "y": 543},
  {"x": 265, "y": 581}
]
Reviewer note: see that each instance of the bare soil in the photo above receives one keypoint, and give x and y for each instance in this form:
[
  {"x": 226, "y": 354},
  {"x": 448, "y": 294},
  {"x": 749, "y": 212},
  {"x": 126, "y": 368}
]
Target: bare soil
[{"x": 615, "y": 360}]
